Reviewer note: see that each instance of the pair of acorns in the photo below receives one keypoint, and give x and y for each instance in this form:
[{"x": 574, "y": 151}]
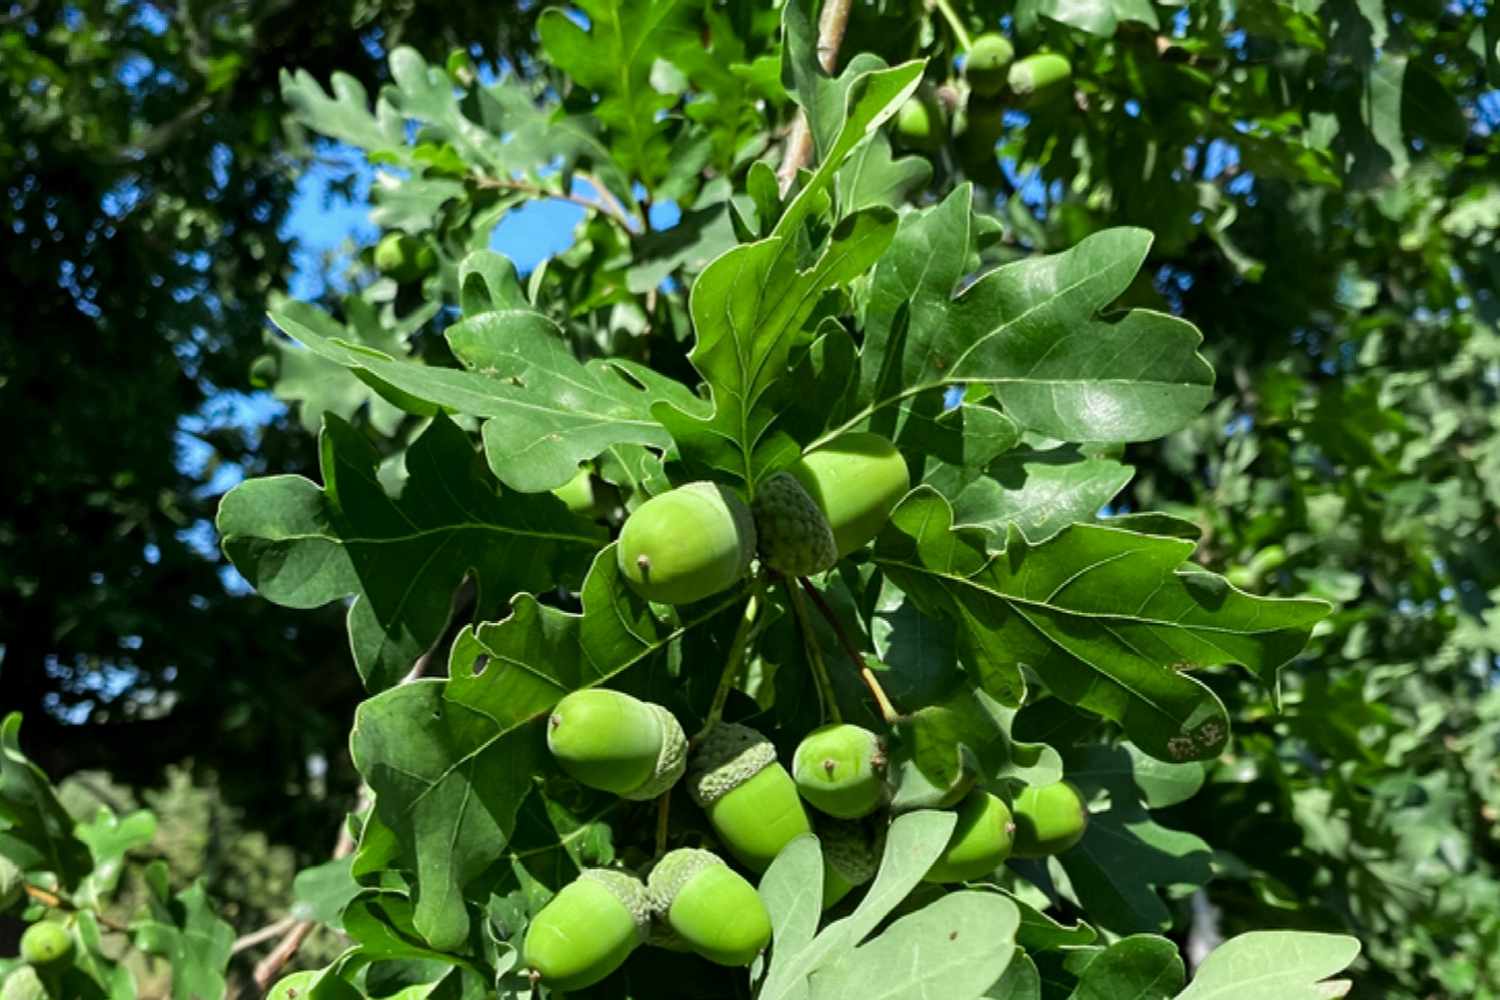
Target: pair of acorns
[
  {"x": 697, "y": 540},
  {"x": 994, "y": 75},
  {"x": 613, "y": 742}
]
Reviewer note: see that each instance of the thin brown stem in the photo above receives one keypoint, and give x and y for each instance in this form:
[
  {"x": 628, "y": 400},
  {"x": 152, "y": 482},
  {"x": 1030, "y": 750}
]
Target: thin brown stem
[
  {"x": 56, "y": 902},
  {"x": 247, "y": 941},
  {"x": 663, "y": 820},
  {"x": 610, "y": 208},
  {"x": 882, "y": 700},
  {"x": 826, "y": 693},
  {"x": 832, "y": 24}
]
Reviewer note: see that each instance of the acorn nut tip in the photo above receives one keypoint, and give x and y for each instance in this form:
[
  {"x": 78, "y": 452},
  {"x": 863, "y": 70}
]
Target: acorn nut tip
[
  {"x": 840, "y": 770},
  {"x": 46, "y": 942},
  {"x": 686, "y": 544},
  {"x": 616, "y": 743},
  {"x": 588, "y": 929}
]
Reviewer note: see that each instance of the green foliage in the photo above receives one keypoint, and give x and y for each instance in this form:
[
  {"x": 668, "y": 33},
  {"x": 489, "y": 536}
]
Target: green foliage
[{"x": 1047, "y": 595}]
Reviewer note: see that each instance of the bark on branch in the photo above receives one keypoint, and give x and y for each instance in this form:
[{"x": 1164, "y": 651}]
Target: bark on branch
[{"x": 832, "y": 24}]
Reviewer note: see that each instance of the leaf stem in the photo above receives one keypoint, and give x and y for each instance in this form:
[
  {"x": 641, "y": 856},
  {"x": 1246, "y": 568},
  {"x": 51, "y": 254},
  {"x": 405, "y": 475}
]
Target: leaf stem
[
  {"x": 55, "y": 901},
  {"x": 949, "y": 15},
  {"x": 814, "y": 655},
  {"x": 607, "y": 205},
  {"x": 882, "y": 700},
  {"x": 735, "y": 661}
]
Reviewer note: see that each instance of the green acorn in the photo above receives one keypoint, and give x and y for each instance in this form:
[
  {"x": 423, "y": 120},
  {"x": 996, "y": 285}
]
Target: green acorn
[
  {"x": 578, "y": 493},
  {"x": 985, "y": 65},
  {"x": 980, "y": 843},
  {"x": 793, "y": 534},
  {"x": 615, "y": 743},
  {"x": 709, "y": 906},
  {"x": 851, "y": 856},
  {"x": 23, "y": 983},
  {"x": 1049, "y": 820},
  {"x": 687, "y": 544},
  {"x": 855, "y": 479},
  {"x": 404, "y": 258},
  {"x": 12, "y": 883},
  {"x": 840, "y": 770},
  {"x": 588, "y": 929},
  {"x": 1040, "y": 76},
  {"x": 921, "y": 123},
  {"x": 750, "y": 799},
  {"x": 46, "y": 942}
]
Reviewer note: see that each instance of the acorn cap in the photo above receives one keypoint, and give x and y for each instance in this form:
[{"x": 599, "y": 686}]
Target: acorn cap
[
  {"x": 674, "y": 871},
  {"x": 792, "y": 532},
  {"x": 671, "y": 761},
  {"x": 849, "y": 850},
  {"x": 729, "y": 756},
  {"x": 629, "y": 891}
]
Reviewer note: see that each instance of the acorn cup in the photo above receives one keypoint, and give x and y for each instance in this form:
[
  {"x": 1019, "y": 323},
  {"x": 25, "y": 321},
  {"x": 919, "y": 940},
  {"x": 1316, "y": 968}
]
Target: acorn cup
[
  {"x": 1049, "y": 820},
  {"x": 709, "y": 907},
  {"x": 980, "y": 842},
  {"x": 794, "y": 536},
  {"x": 851, "y": 855},
  {"x": 588, "y": 929},
  {"x": 687, "y": 544},
  {"x": 750, "y": 799},
  {"x": 855, "y": 479},
  {"x": 610, "y": 741},
  {"x": 840, "y": 770}
]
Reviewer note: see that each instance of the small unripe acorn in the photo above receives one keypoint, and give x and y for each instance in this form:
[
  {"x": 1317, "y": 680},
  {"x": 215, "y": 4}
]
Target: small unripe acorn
[
  {"x": 578, "y": 493},
  {"x": 851, "y": 856},
  {"x": 840, "y": 770},
  {"x": 687, "y": 544},
  {"x": 1049, "y": 820},
  {"x": 980, "y": 843},
  {"x": 12, "y": 883},
  {"x": 750, "y": 799},
  {"x": 921, "y": 123},
  {"x": 1039, "y": 76},
  {"x": 794, "y": 536},
  {"x": 404, "y": 258},
  {"x": 23, "y": 983},
  {"x": 710, "y": 906},
  {"x": 855, "y": 479},
  {"x": 988, "y": 59},
  {"x": 615, "y": 743},
  {"x": 46, "y": 942},
  {"x": 588, "y": 929}
]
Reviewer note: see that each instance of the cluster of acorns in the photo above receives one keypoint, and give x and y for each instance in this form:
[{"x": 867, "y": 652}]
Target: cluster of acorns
[
  {"x": 685, "y": 545},
  {"x": 692, "y": 899},
  {"x": 996, "y": 80}
]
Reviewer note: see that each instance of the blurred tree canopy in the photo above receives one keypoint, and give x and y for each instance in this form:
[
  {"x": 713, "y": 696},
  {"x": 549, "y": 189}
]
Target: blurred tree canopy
[{"x": 148, "y": 175}]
